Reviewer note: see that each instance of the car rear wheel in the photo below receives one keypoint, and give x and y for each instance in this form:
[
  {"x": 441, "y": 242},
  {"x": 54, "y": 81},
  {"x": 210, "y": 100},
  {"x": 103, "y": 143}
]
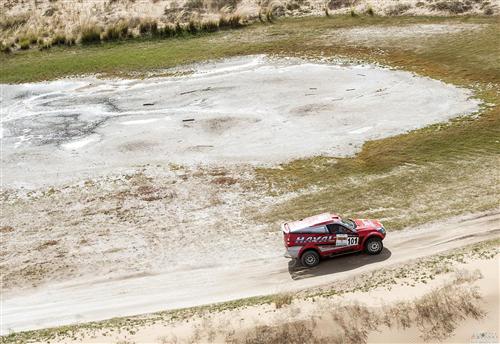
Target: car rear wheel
[
  {"x": 374, "y": 246},
  {"x": 310, "y": 258}
]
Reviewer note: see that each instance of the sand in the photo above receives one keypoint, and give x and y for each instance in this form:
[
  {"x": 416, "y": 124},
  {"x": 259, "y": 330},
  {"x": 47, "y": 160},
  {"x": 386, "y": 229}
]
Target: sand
[{"x": 101, "y": 298}]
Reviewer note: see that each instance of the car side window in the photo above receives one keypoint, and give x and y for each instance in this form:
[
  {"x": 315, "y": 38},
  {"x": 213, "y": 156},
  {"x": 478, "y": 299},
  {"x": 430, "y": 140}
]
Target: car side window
[
  {"x": 315, "y": 230},
  {"x": 335, "y": 228}
]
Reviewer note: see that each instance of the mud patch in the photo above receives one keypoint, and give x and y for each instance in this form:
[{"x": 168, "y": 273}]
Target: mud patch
[{"x": 253, "y": 109}]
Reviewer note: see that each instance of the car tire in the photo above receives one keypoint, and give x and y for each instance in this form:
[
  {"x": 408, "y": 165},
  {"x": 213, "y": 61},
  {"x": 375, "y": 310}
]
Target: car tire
[
  {"x": 310, "y": 258},
  {"x": 374, "y": 246}
]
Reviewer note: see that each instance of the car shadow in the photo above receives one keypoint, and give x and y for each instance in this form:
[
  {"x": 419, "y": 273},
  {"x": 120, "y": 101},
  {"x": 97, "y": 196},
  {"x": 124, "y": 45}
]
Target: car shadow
[{"x": 336, "y": 264}]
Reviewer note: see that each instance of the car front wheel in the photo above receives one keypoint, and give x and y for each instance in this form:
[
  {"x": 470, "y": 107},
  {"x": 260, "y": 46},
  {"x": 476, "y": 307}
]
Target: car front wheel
[
  {"x": 374, "y": 246},
  {"x": 310, "y": 259}
]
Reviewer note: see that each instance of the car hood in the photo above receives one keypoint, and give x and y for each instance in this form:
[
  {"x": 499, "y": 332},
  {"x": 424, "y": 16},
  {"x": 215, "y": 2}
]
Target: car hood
[{"x": 367, "y": 224}]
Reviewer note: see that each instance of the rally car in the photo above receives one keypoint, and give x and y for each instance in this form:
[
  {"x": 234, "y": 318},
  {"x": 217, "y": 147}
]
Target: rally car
[{"x": 327, "y": 234}]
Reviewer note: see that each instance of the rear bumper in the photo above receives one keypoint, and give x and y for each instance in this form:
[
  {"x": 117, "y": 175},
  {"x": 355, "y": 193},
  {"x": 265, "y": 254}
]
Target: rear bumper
[{"x": 292, "y": 252}]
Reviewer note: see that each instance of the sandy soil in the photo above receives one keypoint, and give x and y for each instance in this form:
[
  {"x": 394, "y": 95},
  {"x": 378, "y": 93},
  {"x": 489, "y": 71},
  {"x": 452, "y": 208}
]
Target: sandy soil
[
  {"x": 226, "y": 112},
  {"x": 321, "y": 317},
  {"x": 101, "y": 297}
]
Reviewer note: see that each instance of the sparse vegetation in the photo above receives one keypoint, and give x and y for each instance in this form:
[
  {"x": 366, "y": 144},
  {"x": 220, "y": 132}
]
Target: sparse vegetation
[
  {"x": 399, "y": 315},
  {"x": 116, "y": 32},
  {"x": 397, "y": 9},
  {"x": 90, "y": 34},
  {"x": 283, "y": 299},
  {"x": 454, "y": 7},
  {"x": 436, "y": 315},
  {"x": 13, "y": 22}
]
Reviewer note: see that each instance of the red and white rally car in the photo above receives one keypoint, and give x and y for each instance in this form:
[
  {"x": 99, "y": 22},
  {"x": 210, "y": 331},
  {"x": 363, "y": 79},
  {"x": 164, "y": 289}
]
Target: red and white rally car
[{"x": 328, "y": 234}]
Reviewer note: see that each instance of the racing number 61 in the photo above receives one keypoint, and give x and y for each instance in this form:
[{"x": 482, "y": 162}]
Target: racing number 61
[{"x": 352, "y": 241}]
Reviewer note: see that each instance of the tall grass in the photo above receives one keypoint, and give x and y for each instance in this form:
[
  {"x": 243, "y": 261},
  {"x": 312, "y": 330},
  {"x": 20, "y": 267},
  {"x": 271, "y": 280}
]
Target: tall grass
[
  {"x": 116, "y": 32},
  {"x": 90, "y": 34}
]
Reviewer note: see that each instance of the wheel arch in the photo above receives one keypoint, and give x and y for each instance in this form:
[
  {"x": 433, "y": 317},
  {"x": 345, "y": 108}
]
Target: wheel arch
[
  {"x": 371, "y": 235},
  {"x": 309, "y": 248}
]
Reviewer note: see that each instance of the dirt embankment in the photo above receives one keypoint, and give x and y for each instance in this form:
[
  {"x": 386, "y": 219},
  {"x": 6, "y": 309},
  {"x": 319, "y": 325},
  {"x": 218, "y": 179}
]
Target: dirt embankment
[{"x": 51, "y": 21}]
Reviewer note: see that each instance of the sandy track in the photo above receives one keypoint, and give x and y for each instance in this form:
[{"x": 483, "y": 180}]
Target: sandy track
[{"x": 70, "y": 302}]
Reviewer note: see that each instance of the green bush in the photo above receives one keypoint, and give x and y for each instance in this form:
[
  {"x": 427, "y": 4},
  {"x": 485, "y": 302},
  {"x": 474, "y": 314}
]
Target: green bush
[
  {"x": 24, "y": 44},
  {"x": 4, "y": 48}
]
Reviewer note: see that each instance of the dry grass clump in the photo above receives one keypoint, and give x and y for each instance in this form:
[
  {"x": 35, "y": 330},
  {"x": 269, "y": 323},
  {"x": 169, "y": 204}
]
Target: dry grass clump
[
  {"x": 453, "y": 7},
  {"x": 338, "y": 4},
  {"x": 117, "y": 31},
  {"x": 436, "y": 315},
  {"x": 13, "y": 21},
  {"x": 397, "y": 10},
  {"x": 282, "y": 299},
  {"x": 90, "y": 34},
  {"x": 439, "y": 312},
  {"x": 32, "y": 32},
  {"x": 290, "y": 333}
]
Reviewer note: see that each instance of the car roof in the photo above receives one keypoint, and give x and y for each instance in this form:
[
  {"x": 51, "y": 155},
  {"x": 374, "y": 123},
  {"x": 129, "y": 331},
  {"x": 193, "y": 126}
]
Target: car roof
[{"x": 316, "y": 220}]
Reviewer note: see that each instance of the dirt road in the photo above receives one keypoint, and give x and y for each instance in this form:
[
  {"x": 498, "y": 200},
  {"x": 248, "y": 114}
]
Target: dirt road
[{"x": 70, "y": 302}]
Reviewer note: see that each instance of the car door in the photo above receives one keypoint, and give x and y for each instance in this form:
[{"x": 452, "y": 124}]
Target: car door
[
  {"x": 345, "y": 239},
  {"x": 317, "y": 237}
]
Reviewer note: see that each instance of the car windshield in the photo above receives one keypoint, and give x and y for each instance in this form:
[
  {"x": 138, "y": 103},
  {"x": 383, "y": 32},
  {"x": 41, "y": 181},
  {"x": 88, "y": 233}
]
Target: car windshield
[{"x": 349, "y": 224}]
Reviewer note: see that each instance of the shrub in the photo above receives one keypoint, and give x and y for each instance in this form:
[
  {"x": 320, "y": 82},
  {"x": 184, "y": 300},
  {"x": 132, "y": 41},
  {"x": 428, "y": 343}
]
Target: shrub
[
  {"x": 13, "y": 22},
  {"x": 4, "y": 48},
  {"x": 455, "y": 7},
  {"x": 90, "y": 35},
  {"x": 191, "y": 27},
  {"x": 59, "y": 39},
  {"x": 397, "y": 9},
  {"x": 353, "y": 13},
  {"x": 24, "y": 44},
  {"x": 167, "y": 31},
  {"x": 70, "y": 41},
  {"x": 149, "y": 27},
  {"x": 488, "y": 11},
  {"x": 45, "y": 46},
  {"x": 234, "y": 21},
  {"x": 178, "y": 29},
  {"x": 337, "y": 4},
  {"x": 370, "y": 12},
  {"x": 194, "y": 4},
  {"x": 282, "y": 299},
  {"x": 209, "y": 26},
  {"x": 32, "y": 38},
  {"x": 116, "y": 32}
]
